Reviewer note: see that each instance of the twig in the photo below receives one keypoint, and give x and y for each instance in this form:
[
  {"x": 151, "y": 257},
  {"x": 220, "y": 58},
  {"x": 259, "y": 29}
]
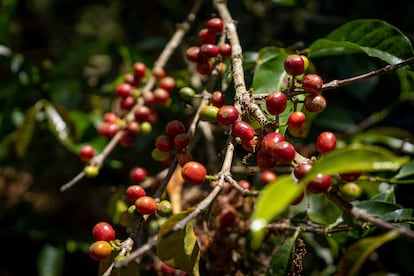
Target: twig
[
  {"x": 361, "y": 214},
  {"x": 287, "y": 226}
]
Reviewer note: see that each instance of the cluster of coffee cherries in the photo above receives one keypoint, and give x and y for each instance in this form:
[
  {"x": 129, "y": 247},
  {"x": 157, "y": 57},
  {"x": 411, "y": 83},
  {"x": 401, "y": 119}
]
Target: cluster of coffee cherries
[
  {"x": 208, "y": 50},
  {"x": 104, "y": 235}
]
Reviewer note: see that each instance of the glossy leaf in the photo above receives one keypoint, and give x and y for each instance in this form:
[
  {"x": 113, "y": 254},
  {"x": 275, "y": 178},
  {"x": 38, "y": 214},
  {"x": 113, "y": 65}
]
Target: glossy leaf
[
  {"x": 280, "y": 262},
  {"x": 24, "y": 133},
  {"x": 50, "y": 260},
  {"x": 373, "y": 37},
  {"x": 179, "y": 249},
  {"x": 355, "y": 256},
  {"x": 406, "y": 171},
  {"x": 270, "y": 74},
  {"x": 396, "y": 215},
  {"x": 322, "y": 210},
  {"x": 377, "y": 208},
  {"x": 284, "y": 189}
]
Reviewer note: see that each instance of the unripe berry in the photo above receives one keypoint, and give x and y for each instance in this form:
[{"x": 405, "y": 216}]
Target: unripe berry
[
  {"x": 294, "y": 65},
  {"x": 134, "y": 192},
  {"x": 186, "y": 93},
  {"x": 99, "y": 250},
  {"x": 276, "y": 102},
  {"x": 146, "y": 205},
  {"x": 350, "y": 191},
  {"x": 164, "y": 208},
  {"x": 103, "y": 231},
  {"x": 315, "y": 103},
  {"x": 86, "y": 153},
  {"x": 91, "y": 171},
  {"x": 242, "y": 130},
  {"x": 209, "y": 113},
  {"x": 312, "y": 83},
  {"x": 194, "y": 173},
  {"x": 326, "y": 142},
  {"x": 227, "y": 115}
]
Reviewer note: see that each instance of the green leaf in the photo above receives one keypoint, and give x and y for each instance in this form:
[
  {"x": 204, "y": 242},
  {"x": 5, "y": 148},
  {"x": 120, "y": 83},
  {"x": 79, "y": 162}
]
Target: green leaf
[
  {"x": 396, "y": 215},
  {"x": 132, "y": 269},
  {"x": 270, "y": 74},
  {"x": 50, "y": 260},
  {"x": 280, "y": 262},
  {"x": 373, "y": 37},
  {"x": 377, "y": 208},
  {"x": 322, "y": 210},
  {"x": 179, "y": 249},
  {"x": 349, "y": 159},
  {"x": 355, "y": 256},
  {"x": 24, "y": 133},
  {"x": 406, "y": 171}
]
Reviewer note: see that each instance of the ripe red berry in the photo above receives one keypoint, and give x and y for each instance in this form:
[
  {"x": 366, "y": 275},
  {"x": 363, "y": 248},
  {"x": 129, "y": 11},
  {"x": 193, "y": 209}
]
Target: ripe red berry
[
  {"x": 99, "y": 250},
  {"x": 164, "y": 143},
  {"x": 128, "y": 102},
  {"x": 123, "y": 90},
  {"x": 167, "y": 83},
  {"x": 326, "y": 142},
  {"x": 161, "y": 95},
  {"x": 138, "y": 174},
  {"x": 298, "y": 199},
  {"x": 204, "y": 67},
  {"x": 312, "y": 83},
  {"x": 242, "y": 130},
  {"x": 206, "y": 37},
  {"x": 174, "y": 127},
  {"x": 86, "y": 153},
  {"x": 134, "y": 192},
  {"x": 183, "y": 157},
  {"x": 140, "y": 69},
  {"x": 142, "y": 113},
  {"x": 215, "y": 25},
  {"x": 265, "y": 160},
  {"x": 209, "y": 50},
  {"x": 225, "y": 49},
  {"x": 250, "y": 145},
  {"x": 245, "y": 184},
  {"x": 276, "y": 102},
  {"x": 131, "y": 79},
  {"x": 110, "y": 117},
  {"x": 227, "y": 216},
  {"x": 319, "y": 184},
  {"x": 158, "y": 73},
  {"x": 227, "y": 115},
  {"x": 108, "y": 129},
  {"x": 301, "y": 170},
  {"x": 294, "y": 65},
  {"x": 296, "y": 119},
  {"x": 132, "y": 128},
  {"x": 194, "y": 54},
  {"x": 315, "y": 103},
  {"x": 270, "y": 140},
  {"x": 146, "y": 205},
  {"x": 267, "y": 176},
  {"x": 283, "y": 152},
  {"x": 194, "y": 172},
  {"x": 103, "y": 231},
  {"x": 348, "y": 177},
  {"x": 127, "y": 139},
  {"x": 217, "y": 98},
  {"x": 181, "y": 141}
]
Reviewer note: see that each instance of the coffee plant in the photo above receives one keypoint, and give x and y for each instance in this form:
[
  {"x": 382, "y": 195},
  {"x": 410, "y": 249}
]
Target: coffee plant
[{"x": 235, "y": 162}]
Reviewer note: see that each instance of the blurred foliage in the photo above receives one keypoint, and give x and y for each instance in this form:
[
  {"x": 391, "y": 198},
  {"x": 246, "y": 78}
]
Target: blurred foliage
[{"x": 59, "y": 63}]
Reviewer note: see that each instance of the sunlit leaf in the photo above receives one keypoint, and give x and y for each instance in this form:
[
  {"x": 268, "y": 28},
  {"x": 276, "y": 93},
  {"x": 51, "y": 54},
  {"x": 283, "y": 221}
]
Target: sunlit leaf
[
  {"x": 179, "y": 249},
  {"x": 50, "y": 260},
  {"x": 280, "y": 262},
  {"x": 355, "y": 256},
  {"x": 277, "y": 196},
  {"x": 373, "y": 37}
]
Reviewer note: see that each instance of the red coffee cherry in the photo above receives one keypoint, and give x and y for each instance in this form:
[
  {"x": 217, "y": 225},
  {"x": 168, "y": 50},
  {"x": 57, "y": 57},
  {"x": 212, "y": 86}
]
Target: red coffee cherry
[
  {"x": 132, "y": 128},
  {"x": 301, "y": 170},
  {"x": 312, "y": 83},
  {"x": 158, "y": 73},
  {"x": 283, "y": 152},
  {"x": 127, "y": 139},
  {"x": 215, "y": 25},
  {"x": 225, "y": 49},
  {"x": 146, "y": 205},
  {"x": 294, "y": 65},
  {"x": 128, "y": 102},
  {"x": 99, "y": 250},
  {"x": 161, "y": 95},
  {"x": 270, "y": 140},
  {"x": 142, "y": 113},
  {"x": 296, "y": 119},
  {"x": 267, "y": 176},
  {"x": 134, "y": 192},
  {"x": 140, "y": 69},
  {"x": 348, "y": 177},
  {"x": 227, "y": 216},
  {"x": 164, "y": 143},
  {"x": 209, "y": 50},
  {"x": 319, "y": 184},
  {"x": 86, "y": 153},
  {"x": 174, "y": 127},
  {"x": 108, "y": 129},
  {"x": 298, "y": 199},
  {"x": 265, "y": 160},
  {"x": 103, "y": 231},
  {"x": 123, "y": 90},
  {"x": 204, "y": 67},
  {"x": 110, "y": 117},
  {"x": 184, "y": 157},
  {"x": 315, "y": 103},
  {"x": 242, "y": 130},
  {"x": 245, "y": 184},
  {"x": 138, "y": 174},
  {"x": 217, "y": 98},
  {"x": 326, "y": 142},
  {"x": 193, "y": 54},
  {"x": 276, "y": 102},
  {"x": 194, "y": 172},
  {"x": 167, "y": 83},
  {"x": 130, "y": 79},
  {"x": 181, "y": 141},
  {"x": 227, "y": 115},
  {"x": 206, "y": 37},
  {"x": 250, "y": 145}
]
